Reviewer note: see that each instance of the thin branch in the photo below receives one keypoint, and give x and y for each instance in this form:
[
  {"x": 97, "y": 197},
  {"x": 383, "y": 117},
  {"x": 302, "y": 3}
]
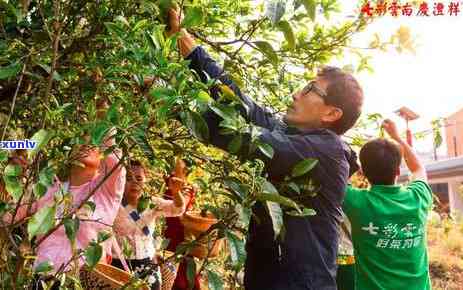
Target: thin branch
[
  {"x": 56, "y": 38},
  {"x": 14, "y": 100},
  {"x": 220, "y": 49}
]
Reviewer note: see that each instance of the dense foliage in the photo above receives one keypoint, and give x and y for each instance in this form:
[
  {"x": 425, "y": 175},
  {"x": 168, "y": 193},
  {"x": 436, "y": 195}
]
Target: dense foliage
[{"x": 58, "y": 57}]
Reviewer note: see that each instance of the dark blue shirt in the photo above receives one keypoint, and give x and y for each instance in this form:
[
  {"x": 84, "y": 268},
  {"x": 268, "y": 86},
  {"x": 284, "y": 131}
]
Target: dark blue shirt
[{"x": 306, "y": 259}]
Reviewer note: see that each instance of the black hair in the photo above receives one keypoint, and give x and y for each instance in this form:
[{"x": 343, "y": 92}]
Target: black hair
[
  {"x": 345, "y": 93},
  {"x": 380, "y": 159}
]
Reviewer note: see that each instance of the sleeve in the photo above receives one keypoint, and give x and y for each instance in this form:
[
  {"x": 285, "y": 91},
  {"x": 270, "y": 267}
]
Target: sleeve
[
  {"x": 206, "y": 68},
  {"x": 115, "y": 183},
  {"x": 288, "y": 149},
  {"x": 423, "y": 191},
  {"x": 165, "y": 208},
  {"x": 45, "y": 200}
]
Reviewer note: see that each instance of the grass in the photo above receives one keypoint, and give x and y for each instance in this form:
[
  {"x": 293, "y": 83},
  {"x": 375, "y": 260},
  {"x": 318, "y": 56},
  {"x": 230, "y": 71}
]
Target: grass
[{"x": 445, "y": 249}]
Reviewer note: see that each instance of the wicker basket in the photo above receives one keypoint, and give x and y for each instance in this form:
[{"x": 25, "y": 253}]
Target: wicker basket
[
  {"x": 195, "y": 225},
  {"x": 168, "y": 273},
  {"x": 105, "y": 277}
]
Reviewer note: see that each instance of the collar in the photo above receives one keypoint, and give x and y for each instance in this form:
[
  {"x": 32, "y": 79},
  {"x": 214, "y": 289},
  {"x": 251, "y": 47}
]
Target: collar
[{"x": 386, "y": 188}]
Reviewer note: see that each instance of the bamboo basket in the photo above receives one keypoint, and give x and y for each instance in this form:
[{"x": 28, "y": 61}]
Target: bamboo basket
[
  {"x": 168, "y": 273},
  {"x": 195, "y": 225},
  {"x": 105, "y": 277}
]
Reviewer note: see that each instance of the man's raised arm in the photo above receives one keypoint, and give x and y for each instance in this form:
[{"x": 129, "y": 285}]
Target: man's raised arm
[
  {"x": 203, "y": 64},
  {"x": 413, "y": 162}
]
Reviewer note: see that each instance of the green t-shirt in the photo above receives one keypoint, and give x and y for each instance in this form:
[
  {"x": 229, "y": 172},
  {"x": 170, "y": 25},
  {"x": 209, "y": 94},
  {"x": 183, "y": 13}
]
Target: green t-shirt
[{"x": 389, "y": 235}]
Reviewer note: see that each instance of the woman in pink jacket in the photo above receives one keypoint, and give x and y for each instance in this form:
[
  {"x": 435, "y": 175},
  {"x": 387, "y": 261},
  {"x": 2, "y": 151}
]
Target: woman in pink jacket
[{"x": 100, "y": 181}]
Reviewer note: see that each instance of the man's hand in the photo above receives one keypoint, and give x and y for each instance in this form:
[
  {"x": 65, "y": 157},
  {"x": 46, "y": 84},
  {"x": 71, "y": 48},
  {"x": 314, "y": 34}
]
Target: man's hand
[
  {"x": 391, "y": 129},
  {"x": 185, "y": 42},
  {"x": 174, "y": 18},
  {"x": 411, "y": 159},
  {"x": 177, "y": 182}
]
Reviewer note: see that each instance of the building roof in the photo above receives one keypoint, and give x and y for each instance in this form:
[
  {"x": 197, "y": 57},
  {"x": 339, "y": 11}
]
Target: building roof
[{"x": 440, "y": 169}]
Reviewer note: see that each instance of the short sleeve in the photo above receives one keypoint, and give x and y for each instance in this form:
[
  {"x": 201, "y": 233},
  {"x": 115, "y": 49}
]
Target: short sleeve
[{"x": 422, "y": 190}]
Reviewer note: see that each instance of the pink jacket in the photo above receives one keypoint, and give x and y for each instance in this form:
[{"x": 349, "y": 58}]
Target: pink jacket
[{"x": 57, "y": 248}]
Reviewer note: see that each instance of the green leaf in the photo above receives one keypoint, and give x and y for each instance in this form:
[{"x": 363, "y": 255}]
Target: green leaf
[
  {"x": 44, "y": 267},
  {"x": 305, "y": 212},
  {"x": 303, "y": 167},
  {"x": 71, "y": 227},
  {"x": 224, "y": 111},
  {"x": 41, "y": 222},
  {"x": 194, "y": 16},
  {"x": 3, "y": 207},
  {"x": 198, "y": 127},
  {"x": 11, "y": 179},
  {"x": 235, "y": 144},
  {"x": 287, "y": 30},
  {"x": 46, "y": 176},
  {"x": 152, "y": 41},
  {"x": 276, "y": 215},
  {"x": 47, "y": 68},
  {"x": 3, "y": 155},
  {"x": 214, "y": 280},
  {"x": 13, "y": 170},
  {"x": 275, "y": 9},
  {"x": 244, "y": 213},
  {"x": 103, "y": 236},
  {"x": 113, "y": 114},
  {"x": 140, "y": 24},
  {"x": 191, "y": 272},
  {"x": 99, "y": 132},
  {"x": 203, "y": 97},
  {"x": 143, "y": 204},
  {"x": 42, "y": 137},
  {"x": 293, "y": 186},
  {"x": 159, "y": 93},
  {"x": 122, "y": 19},
  {"x": 267, "y": 49},
  {"x": 278, "y": 199},
  {"x": 91, "y": 205},
  {"x": 236, "y": 246},
  {"x": 237, "y": 187},
  {"x": 268, "y": 187},
  {"x": 266, "y": 149},
  {"x": 93, "y": 254},
  {"x": 114, "y": 28},
  {"x": 311, "y": 8},
  {"x": 39, "y": 190},
  {"x": 165, "y": 4},
  {"x": 10, "y": 71},
  {"x": 13, "y": 186}
]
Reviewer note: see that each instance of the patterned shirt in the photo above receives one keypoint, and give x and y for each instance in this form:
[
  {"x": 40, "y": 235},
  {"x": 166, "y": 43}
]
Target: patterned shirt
[{"x": 138, "y": 228}]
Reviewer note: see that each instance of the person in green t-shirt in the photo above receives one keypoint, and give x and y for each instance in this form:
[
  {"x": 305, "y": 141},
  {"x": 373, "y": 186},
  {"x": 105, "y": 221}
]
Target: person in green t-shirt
[{"x": 388, "y": 220}]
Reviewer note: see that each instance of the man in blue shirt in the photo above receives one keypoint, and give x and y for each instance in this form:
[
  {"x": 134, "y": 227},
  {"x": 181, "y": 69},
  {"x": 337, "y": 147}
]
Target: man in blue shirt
[{"x": 325, "y": 109}]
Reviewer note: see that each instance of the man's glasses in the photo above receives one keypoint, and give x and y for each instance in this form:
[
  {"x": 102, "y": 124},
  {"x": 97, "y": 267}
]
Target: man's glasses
[{"x": 313, "y": 87}]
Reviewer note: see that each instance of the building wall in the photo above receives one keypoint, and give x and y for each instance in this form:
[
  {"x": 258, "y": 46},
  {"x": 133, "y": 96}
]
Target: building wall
[
  {"x": 454, "y": 194},
  {"x": 454, "y": 134}
]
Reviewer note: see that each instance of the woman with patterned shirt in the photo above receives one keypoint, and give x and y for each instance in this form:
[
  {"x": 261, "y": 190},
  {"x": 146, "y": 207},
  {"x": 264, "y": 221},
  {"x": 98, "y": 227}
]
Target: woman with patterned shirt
[{"x": 137, "y": 228}]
